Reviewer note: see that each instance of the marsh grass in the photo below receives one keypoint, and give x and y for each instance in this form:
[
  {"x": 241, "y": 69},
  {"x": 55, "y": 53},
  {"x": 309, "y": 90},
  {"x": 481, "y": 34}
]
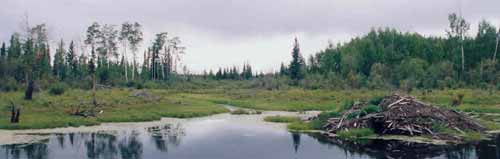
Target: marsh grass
[
  {"x": 119, "y": 105},
  {"x": 299, "y": 126},
  {"x": 282, "y": 119}
]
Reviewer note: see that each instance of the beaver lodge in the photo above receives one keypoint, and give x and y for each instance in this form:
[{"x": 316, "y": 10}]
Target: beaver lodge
[{"x": 404, "y": 115}]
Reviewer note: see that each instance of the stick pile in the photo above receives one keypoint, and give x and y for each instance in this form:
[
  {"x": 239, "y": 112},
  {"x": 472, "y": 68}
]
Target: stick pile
[{"x": 404, "y": 115}]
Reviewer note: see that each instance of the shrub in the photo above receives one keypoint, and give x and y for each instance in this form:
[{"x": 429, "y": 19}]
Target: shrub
[
  {"x": 458, "y": 99},
  {"x": 57, "y": 89},
  {"x": 9, "y": 84},
  {"x": 355, "y": 133},
  {"x": 281, "y": 119},
  {"x": 376, "y": 100},
  {"x": 370, "y": 109}
]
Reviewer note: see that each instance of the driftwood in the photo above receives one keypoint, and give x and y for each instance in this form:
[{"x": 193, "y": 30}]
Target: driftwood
[{"x": 404, "y": 115}]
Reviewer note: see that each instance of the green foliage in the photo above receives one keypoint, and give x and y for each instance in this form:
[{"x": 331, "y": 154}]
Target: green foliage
[
  {"x": 346, "y": 105},
  {"x": 376, "y": 100},
  {"x": 57, "y": 89},
  {"x": 281, "y": 119},
  {"x": 353, "y": 134},
  {"x": 370, "y": 109}
]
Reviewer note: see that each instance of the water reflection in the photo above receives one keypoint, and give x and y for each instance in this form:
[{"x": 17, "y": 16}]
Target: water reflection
[
  {"x": 231, "y": 141},
  {"x": 296, "y": 141}
]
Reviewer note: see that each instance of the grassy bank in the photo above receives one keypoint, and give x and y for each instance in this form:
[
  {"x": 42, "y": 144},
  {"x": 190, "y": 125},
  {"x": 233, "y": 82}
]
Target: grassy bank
[
  {"x": 117, "y": 105},
  {"x": 122, "y": 105}
]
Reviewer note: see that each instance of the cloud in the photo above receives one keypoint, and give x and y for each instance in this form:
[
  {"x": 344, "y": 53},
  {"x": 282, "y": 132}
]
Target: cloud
[{"x": 211, "y": 25}]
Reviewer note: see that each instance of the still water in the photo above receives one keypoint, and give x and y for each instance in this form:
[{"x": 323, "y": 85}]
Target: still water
[{"x": 226, "y": 138}]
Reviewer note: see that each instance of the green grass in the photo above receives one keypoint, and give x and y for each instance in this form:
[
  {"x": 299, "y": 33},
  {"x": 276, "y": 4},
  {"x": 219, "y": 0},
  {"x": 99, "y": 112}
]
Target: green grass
[
  {"x": 299, "y": 126},
  {"x": 282, "y": 119},
  {"x": 353, "y": 134},
  {"x": 48, "y": 111},
  {"x": 118, "y": 105}
]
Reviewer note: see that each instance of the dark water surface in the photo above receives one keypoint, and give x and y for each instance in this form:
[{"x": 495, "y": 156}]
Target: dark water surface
[{"x": 224, "y": 139}]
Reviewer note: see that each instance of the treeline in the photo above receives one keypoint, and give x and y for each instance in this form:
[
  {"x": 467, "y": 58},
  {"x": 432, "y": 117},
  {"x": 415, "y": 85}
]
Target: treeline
[
  {"x": 108, "y": 54},
  {"x": 382, "y": 59},
  {"x": 387, "y": 58}
]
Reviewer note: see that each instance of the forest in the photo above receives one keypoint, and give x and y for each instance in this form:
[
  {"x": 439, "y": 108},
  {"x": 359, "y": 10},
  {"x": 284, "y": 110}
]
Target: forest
[{"x": 384, "y": 58}]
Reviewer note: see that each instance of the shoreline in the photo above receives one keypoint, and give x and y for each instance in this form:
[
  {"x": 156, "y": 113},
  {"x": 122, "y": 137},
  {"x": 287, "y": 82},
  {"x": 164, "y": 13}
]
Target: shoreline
[{"x": 27, "y": 136}]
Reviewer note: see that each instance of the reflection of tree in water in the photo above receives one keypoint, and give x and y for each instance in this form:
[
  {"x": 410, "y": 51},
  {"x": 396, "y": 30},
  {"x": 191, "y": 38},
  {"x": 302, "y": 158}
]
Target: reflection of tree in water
[
  {"x": 101, "y": 146},
  {"x": 397, "y": 149},
  {"x": 130, "y": 147},
  {"x": 33, "y": 151},
  {"x": 296, "y": 141},
  {"x": 165, "y": 135},
  {"x": 71, "y": 138},
  {"x": 60, "y": 139}
]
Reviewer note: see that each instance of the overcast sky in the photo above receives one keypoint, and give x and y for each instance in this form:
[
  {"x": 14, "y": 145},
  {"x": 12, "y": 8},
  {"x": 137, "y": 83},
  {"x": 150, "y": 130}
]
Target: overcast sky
[{"x": 221, "y": 33}]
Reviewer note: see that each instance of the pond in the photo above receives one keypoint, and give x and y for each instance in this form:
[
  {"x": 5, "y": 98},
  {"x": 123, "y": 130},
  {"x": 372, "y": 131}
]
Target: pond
[{"x": 228, "y": 137}]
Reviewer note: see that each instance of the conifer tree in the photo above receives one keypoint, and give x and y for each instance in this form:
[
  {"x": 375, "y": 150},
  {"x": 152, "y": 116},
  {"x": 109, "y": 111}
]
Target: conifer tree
[{"x": 297, "y": 64}]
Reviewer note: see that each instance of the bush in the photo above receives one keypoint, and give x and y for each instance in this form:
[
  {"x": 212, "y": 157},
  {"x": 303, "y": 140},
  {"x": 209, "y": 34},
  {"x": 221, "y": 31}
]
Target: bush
[
  {"x": 370, "y": 109},
  {"x": 355, "y": 133},
  {"x": 376, "y": 100},
  {"x": 9, "y": 84},
  {"x": 57, "y": 89}
]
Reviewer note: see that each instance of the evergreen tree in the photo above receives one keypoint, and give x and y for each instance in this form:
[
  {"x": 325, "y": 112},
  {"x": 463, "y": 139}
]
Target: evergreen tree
[
  {"x": 3, "y": 60},
  {"x": 297, "y": 64},
  {"x": 71, "y": 61}
]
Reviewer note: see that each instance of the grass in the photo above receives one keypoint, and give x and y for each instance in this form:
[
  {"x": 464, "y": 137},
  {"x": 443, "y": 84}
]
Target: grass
[
  {"x": 282, "y": 119},
  {"x": 118, "y": 105},
  {"x": 353, "y": 134},
  {"x": 299, "y": 126},
  {"x": 48, "y": 111}
]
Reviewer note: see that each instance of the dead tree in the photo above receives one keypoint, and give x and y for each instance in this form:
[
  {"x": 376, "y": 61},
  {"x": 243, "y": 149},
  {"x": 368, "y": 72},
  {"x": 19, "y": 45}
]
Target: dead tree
[{"x": 15, "y": 113}]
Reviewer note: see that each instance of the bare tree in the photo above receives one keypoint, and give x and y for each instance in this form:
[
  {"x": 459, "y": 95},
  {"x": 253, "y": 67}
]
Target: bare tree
[
  {"x": 458, "y": 29},
  {"x": 131, "y": 34}
]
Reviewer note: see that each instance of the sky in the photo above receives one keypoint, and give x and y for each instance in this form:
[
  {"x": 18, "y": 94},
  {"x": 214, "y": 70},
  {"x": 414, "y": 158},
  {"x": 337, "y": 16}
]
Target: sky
[{"x": 221, "y": 33}]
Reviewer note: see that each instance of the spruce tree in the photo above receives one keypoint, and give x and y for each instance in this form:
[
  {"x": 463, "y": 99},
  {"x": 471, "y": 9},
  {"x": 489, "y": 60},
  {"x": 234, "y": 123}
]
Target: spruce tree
[{"x": 297, "y": 64}]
